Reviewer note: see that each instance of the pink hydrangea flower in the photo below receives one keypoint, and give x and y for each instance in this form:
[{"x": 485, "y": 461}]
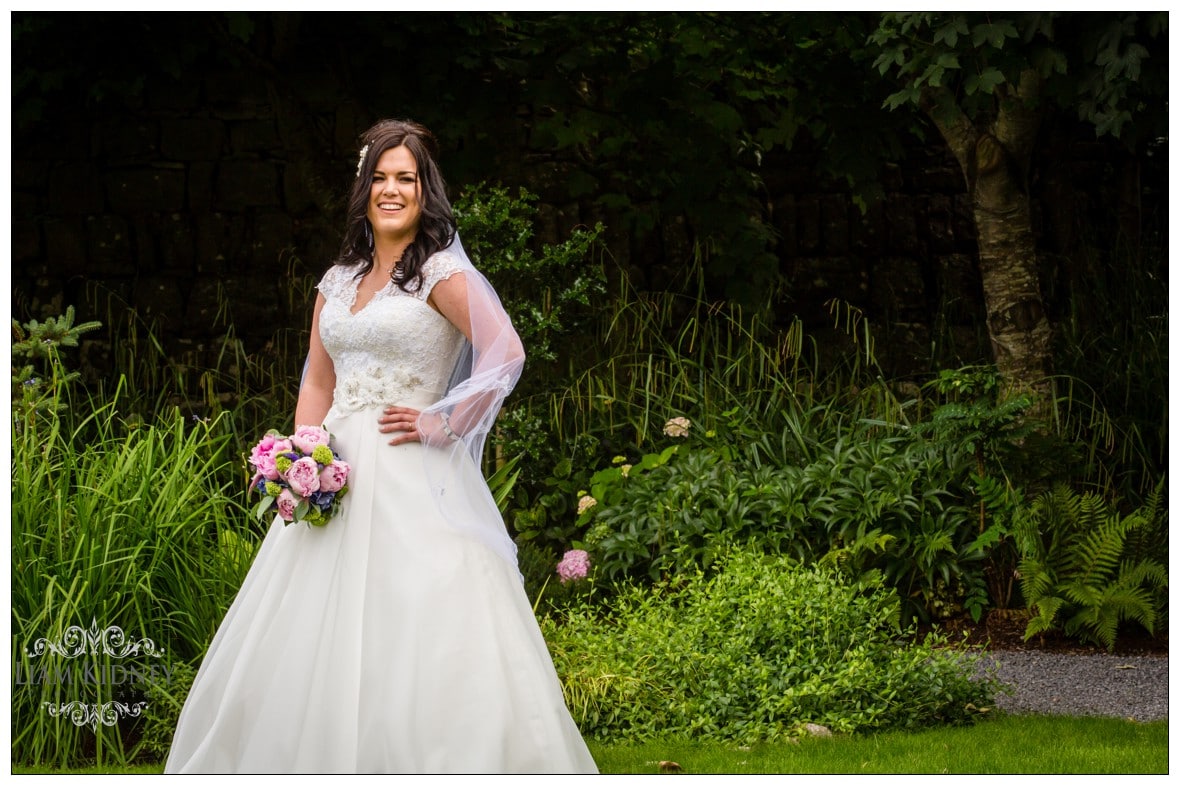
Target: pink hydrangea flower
[
  {"x": 334, "y": 476},
  {"x": 585, "y": 503},
  {"x": 304, "y": 476},
  {"x": 677, "y": 427},
  {"x": 573, "y": 566},
  {"x": 306, "y": 438}
]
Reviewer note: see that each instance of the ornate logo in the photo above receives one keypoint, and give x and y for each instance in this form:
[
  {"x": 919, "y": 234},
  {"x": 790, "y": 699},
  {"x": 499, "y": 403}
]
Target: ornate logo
[
  {"x": 82, "y": 714},
  {"x": 78, "y": 641}
]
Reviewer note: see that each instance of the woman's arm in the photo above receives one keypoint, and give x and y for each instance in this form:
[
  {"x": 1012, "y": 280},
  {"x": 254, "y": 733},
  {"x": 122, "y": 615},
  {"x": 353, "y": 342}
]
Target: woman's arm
[
  {"x": 315, "y": 394},
  {"x": 497, "y": 347}
]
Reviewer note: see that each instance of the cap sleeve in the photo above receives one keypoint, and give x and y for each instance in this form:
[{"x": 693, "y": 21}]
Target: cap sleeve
[
  {"x": 336, "y": 283},
  {"x": 439, "y": 267}
]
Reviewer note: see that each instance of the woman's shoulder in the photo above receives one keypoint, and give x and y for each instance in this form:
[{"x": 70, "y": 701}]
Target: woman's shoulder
[
  {"x": 440, "y": 266},
  {"x": 336, "y": 279}
]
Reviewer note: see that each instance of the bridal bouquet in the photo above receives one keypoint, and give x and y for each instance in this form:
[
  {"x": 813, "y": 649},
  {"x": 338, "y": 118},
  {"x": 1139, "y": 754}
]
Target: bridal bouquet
[{"x": 299, "y": 475}]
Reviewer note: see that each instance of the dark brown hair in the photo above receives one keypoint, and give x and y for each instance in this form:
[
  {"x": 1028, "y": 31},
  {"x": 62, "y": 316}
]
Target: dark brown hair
[{"x": 436, "y": 229}]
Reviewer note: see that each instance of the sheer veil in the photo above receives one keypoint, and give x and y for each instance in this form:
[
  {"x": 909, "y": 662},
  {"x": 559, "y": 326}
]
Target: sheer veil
[{"x": 487, "y": 370}]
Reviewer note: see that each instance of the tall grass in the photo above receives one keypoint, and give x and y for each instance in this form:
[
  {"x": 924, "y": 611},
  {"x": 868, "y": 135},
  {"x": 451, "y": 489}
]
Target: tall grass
[
  {"x": 672, "y": 353},
  {"x": 1112, "y": 352},
  {"x": 254, "y": 388},
  {"x": 123, "y": 531}
]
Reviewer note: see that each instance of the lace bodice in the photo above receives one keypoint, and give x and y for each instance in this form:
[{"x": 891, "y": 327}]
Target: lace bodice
[{"x": 394, "y": 350}]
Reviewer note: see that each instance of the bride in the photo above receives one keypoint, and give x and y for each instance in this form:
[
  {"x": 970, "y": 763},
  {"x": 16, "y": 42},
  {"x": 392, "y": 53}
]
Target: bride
[{"x": 397, "y": 637}]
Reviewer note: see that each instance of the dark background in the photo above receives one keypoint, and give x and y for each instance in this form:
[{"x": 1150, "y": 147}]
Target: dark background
[{"x": 191, "y": 167}]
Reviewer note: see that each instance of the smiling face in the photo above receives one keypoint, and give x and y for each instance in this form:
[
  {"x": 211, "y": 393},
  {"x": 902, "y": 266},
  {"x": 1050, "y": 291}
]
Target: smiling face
[{"x": 395, "y": 208}]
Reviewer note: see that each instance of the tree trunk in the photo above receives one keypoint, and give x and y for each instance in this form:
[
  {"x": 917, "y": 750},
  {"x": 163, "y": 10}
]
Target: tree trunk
[
  {"x": 1016, "y": 320},
  {"x": 994, "y": 161}
]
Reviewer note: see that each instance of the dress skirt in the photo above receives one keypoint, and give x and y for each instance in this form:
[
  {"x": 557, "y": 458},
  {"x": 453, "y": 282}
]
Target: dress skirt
[{"x": 383, "y": 642}]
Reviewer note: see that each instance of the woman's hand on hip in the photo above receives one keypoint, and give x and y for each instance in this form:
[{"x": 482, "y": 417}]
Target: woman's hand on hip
[{"x": 402, "y": 422}]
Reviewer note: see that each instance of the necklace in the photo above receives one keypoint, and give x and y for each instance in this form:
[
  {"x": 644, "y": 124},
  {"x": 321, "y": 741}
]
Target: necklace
[{"x": 375, "y": 283}]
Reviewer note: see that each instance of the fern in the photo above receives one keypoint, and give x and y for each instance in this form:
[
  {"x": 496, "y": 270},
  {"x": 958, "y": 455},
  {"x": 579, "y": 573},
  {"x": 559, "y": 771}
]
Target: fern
[{"x": 1083, "y": 567}]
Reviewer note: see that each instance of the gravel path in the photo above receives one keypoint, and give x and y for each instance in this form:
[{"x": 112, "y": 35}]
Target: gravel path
[{"x": 1120, "y": 686}]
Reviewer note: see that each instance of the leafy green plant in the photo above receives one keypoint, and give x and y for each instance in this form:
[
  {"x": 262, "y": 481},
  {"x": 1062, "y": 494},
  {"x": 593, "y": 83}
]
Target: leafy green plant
[
  {"x": 119, "y": 527},
  {"x": 996, "y": 429},
  {"x": 166, "y": 699},
  {"x": 551, "y": 295},
  {"x": 1077, "y": 571},
  {"x": 878, "y": 500},
  {"x": 1112, "y": 394},
  {"x": 33, "y": 391},
  {"x": 753, "y": 650}
]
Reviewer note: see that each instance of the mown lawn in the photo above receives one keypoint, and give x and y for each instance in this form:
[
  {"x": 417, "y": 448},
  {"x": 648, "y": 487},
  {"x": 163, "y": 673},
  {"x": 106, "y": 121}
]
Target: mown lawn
[
  {"x": 1006, "y": 744},
  {"x": 1011, "y": 744}
]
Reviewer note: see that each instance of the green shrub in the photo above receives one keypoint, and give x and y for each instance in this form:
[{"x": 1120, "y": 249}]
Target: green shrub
[
  {"x": 166, "y": 699},
  {"x": 877, "y": 500},
  {"x": 752, "y": 651},
  {"x": 1086, "y": 568},
  {"x": 122, "y": 532}
]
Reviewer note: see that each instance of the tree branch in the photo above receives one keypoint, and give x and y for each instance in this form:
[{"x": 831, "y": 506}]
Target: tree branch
[
  {"x": 1019, "y": 117},
  {"x": 952, "y": 122}
]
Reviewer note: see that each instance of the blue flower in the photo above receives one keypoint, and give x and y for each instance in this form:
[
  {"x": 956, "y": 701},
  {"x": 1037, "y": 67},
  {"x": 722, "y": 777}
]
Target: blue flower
[{"x": 322, "y": 499}]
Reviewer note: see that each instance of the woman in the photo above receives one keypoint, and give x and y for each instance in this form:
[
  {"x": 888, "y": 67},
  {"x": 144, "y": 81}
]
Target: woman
[{"x": 397, "y": 638}]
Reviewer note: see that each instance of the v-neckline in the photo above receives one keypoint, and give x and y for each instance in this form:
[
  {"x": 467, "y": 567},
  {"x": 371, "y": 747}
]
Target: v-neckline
[{"x": 356, "y": 294}]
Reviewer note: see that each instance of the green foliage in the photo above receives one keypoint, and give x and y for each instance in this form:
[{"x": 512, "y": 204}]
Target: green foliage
[
  {"x": 166, "y": 699},
  {"x": 870, "y": 502},
  {"x": 976, "y": 414},
  {"x": 1090, "y": 64},
  {"x": 777, "y": 455},
  {"x": 1112, "y": 394},
  {"x": 666, "y": 122},
  {"x": 752, "y": 651},
  {"x": 38, "y": 390},
  {"x": 1083, "y": 565},
  {"x": 118, "y": 523},
  {"x": 551, "y": 296}
]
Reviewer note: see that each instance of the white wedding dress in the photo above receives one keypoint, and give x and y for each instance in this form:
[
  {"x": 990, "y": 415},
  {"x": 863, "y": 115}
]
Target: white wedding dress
[{"x": 385, "y": 641}]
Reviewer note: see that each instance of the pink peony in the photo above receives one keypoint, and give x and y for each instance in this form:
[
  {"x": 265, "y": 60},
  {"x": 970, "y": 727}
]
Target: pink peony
[
  {"x": 573, "y": 566},
  {"x": 263, "y": 456},
  {"x": 334, "y": 476},
  {"x": 286, "y": 503},
  {"x": 306, "y": 438},
  {"x": 304, "y": 476}
]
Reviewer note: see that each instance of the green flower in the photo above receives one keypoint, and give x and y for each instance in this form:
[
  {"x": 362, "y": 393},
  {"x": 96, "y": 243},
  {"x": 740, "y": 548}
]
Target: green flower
[
  {"x": 598, "y": 533},
  {"x": 282, "y": 464},
  {"x": 322, "y": 454},
  {"x": 273, "y": 489}
]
